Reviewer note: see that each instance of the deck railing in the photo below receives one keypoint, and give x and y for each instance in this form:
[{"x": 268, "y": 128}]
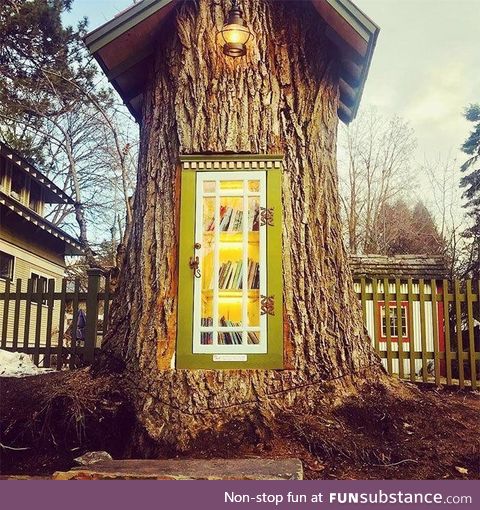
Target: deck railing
[
  {"x": 434, "y": 333},
  {"x": 44, "y": 321}
]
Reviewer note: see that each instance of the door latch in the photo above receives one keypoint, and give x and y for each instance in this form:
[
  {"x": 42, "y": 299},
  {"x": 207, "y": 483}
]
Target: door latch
[{"x": 194, "y": 262}]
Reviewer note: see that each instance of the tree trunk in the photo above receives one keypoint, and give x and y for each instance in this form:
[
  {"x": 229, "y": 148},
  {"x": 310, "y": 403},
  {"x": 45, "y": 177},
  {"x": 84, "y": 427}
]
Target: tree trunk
[{"x": 281, "y": 98}]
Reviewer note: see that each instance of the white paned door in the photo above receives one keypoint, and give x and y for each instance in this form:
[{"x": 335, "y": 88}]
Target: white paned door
[{"x": 230, "y": 243}]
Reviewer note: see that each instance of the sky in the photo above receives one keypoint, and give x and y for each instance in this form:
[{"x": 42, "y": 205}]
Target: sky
[{"x": 425, "y": 68}]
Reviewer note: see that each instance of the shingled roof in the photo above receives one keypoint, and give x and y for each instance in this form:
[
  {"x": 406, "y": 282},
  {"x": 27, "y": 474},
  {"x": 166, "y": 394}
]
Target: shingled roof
[{"x": 399, "y": 266}]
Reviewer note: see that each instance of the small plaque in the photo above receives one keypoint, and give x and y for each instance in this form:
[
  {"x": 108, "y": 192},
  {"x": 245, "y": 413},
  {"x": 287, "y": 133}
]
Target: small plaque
[{"x": 229, "y": 357}]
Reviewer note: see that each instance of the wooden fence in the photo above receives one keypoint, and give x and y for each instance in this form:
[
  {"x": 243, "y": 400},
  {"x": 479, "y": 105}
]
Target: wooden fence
[
  {"x": 434, "y": 332},
  {"x": 42, "y": 321}
]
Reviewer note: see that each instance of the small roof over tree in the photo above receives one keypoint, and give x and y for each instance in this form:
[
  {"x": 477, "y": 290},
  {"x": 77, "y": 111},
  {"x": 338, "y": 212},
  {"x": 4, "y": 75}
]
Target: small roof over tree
[{"x": 124, "y": 44}]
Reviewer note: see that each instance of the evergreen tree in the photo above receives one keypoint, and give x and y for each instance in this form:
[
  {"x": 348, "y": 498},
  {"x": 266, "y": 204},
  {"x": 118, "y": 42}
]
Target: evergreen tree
[
  {"x": 54, "y": 113},
  {"x": 43, "y": 70},
  {"x": 471, "y": 182}
]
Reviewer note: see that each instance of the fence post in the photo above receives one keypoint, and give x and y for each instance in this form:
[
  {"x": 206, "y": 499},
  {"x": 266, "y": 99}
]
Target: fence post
[{"x": 93, "y": 288}]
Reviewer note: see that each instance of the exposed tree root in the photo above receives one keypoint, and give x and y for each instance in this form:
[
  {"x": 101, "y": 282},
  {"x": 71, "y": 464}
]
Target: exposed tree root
[
  {"x": 51, "y": 419},
  {"x": 380, "y": 430}
]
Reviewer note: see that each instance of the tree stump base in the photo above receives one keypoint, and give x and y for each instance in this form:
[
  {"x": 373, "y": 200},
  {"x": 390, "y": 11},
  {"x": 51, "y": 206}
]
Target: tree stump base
[{"x": 188, "y": 469}]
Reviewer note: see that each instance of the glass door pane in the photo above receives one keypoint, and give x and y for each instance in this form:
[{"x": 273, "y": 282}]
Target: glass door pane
[{"x": 231, "y": 246}]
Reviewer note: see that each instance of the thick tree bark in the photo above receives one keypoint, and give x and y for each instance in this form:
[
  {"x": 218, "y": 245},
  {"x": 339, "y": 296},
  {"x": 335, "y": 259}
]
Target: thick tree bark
[{"x": 281, "y": 98}]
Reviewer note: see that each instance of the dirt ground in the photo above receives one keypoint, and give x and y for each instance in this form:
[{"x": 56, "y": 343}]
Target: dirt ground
[{"x": 48, "y": 420}]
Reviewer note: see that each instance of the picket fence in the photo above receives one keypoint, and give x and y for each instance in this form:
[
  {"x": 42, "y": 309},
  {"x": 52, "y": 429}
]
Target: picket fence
[
  {"x": 42, "y": 322},
  {"x": 436, "y": 324}
]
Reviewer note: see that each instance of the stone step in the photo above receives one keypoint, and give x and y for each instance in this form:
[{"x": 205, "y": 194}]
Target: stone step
[{"x": 188, "y": 469}]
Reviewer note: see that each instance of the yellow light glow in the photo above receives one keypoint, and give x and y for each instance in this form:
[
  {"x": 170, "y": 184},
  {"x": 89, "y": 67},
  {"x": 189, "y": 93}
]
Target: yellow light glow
[
  {"x": 235, "y": 34},
  {"x": 231, "y": 299},
  {"x": 231, "y": 244},
  {"x": 231, "y": 185}
]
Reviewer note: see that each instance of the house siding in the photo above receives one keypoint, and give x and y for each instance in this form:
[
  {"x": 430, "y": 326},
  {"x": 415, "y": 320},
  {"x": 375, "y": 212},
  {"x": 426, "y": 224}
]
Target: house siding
[{"x": 24, "y": 264}]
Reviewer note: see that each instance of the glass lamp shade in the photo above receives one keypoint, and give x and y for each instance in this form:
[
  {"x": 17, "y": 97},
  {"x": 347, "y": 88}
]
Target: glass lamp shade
[{"x": 235, "y": 34}]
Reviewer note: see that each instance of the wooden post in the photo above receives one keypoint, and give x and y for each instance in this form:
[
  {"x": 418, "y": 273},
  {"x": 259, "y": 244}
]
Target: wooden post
[
  {"x": 376, "y": 325},
  {"x": 48, "y": 335},
  {"x": 38, "y": 322},
  {"x": 92, "y": 313},
  {"x": 399, "y": 328},
  {"x": 423, "y": 330},
  {"x": 458, "y": 324},
  {"x": 106, "y": 306},
  {"x": 73, "y": 347},
  {"x": 411, "y": 331},
  {"x": 28, "y": 308},
  {"x": 16, "y": 315},
  {"x": 386, "y": 301},
  {"x": 471, "y": 339},
  {"x": 446, "y": 319},
  {"x": 5, "y": 313},
  {"x": 61, "y": 325},
  {"x": 436, "y": 347},
  {"x": 364, "y": 299}
]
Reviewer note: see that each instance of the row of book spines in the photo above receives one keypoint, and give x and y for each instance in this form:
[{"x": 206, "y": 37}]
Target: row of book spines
[
  {"x": 229, "y": 338},
  {"x": 230, "y": 275},
  {"x": 234, "y": 337},
  {"x": 231, "y": 220}
]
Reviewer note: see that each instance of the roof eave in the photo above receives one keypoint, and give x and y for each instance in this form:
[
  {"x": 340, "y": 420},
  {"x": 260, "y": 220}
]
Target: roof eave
[
  {"x": 360, "y": 23},
  {"x": 104, "y": 34},
  {"x": 38, "y": 176},
  {"x": 365, "y": 70},
  {"x": 76, "y": 248}
]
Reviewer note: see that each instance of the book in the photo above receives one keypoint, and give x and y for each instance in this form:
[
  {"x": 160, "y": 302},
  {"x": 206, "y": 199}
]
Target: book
[
  {"x": 230, "y": 275},
  {"x": 225, "y": 220},
  {"x": 230, "y": 220},
  {"x": 229, "y": 337},
  {"x": 206, "y": 337},
  {"x": 254, "y": 219},
  {"x": 237, "y": 280}
]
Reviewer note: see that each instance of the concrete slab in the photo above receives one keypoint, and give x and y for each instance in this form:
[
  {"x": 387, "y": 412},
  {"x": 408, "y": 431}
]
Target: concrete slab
[{"x": 188, "y": 469}]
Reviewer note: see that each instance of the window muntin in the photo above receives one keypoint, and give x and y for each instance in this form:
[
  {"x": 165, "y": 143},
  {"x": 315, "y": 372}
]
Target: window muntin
[
  {"x": 6, "y": 265},
  {"x": 232, "y": 257},
  {"x": 39, "y": 284},
  {"x": 393, "y": 321}
]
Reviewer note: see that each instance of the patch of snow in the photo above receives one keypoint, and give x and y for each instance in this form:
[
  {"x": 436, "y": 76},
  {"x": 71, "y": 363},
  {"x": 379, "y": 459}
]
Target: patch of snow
[{"x": 18, "y": 364}]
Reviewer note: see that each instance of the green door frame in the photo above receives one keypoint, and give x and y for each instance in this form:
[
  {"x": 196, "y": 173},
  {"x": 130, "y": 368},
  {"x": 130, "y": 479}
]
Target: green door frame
[{"x": 272, "y": 164}]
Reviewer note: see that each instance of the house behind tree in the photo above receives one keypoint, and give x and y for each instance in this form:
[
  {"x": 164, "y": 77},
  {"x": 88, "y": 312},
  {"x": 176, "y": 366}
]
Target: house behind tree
[
  {"x": 32, "y": 249},
  {"x": 413, "y": 322}
]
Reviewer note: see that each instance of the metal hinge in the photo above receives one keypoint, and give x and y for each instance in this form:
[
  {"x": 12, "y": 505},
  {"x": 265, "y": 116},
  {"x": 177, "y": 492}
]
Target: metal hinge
[
  {"x": 266, "y": 216},
  {"x": 267, "y": 305}
]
